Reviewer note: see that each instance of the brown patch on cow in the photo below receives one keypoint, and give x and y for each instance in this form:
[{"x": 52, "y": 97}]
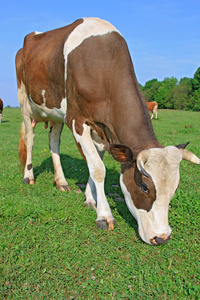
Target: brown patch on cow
[
  {"x": 81, "y": 151},
  {"x": 47, "y": 51},
  {"x": 106, "y": 95},
  {"x": 29, "y": 167},
  {"x": 133, "y": 181}
]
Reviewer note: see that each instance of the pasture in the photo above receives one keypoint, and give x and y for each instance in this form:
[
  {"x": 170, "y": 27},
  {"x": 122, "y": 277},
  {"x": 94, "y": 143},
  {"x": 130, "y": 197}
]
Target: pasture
[{"x": 50, "y": 247}]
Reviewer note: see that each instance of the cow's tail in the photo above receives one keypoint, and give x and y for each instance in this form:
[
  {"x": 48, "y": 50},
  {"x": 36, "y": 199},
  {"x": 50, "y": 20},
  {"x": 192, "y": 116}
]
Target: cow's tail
[{"x": 22, "y": 146}]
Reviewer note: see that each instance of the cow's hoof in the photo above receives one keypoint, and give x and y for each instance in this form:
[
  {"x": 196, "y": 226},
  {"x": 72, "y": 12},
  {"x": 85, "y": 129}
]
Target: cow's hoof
[
  {"x": 64, "y": 188},
  {"x": 105, "y": 225},
  {"x": 28, "y": 181},
  {"x": 91, "y": 205}
]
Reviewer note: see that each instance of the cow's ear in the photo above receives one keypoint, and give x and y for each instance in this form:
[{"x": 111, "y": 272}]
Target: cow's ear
[
  {"x": 182, "y": 146},
  {"x": 121, "y": 153}
]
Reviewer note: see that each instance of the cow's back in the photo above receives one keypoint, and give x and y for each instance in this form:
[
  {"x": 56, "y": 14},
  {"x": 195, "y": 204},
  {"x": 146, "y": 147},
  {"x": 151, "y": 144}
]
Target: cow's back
[{"x": 40, "y": 65}]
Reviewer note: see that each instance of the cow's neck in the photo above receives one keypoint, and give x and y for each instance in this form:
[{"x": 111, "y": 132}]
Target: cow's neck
[{"x": 131, "y": 124}]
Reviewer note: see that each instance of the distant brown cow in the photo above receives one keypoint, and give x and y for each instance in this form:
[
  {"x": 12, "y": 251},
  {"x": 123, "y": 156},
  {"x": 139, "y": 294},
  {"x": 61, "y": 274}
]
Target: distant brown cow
[
  {"x": 1, "y": 109},
  {"x": 153, "y": 107}
]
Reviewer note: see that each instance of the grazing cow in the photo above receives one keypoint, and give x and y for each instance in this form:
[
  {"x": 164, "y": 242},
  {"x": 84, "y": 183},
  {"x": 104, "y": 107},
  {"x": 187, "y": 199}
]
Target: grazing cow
[
  {"x": 153, "y": 108},
  {"x": 82, "y": 75},
  {"x": 1, "y": 109}
]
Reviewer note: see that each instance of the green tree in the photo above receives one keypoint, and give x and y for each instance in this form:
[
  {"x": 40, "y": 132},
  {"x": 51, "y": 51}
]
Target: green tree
[
  {"x": 196, "y": 80},
  {"x": 170, "y": 93},
  {"x": 164, "y": 95},
  {"x": 150, "y": 89},
  {"x": 195, "y": 99},
  {"x": 182, "y": 93}
]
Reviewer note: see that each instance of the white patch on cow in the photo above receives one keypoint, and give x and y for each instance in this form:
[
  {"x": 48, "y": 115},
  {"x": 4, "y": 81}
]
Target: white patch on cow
[
  {"x": 37, "y": 32},
  {"x": 97, "y": 170},
  {"x": 89, "y": 27},
  {"x": 90, "y": 191},
  {"x": 43, "y": 96},
  {"x": 41, "y": 113},
  {"x": 163, "y": 166},
  {"x": 95, "y": 164}
]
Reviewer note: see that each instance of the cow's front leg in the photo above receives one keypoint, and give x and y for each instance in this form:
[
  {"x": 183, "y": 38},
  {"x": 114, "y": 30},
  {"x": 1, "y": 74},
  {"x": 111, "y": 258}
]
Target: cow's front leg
[
  {"x": 54, "y": 146},
  {"x": 97, "y": 172},
  {"x": 91, "y": 195}
]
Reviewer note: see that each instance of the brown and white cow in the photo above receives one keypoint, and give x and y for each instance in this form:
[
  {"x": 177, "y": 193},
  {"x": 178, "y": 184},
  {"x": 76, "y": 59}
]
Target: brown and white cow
[
  {"x": 153, "y": 108},
  {"x": 1, "y": 110},
  {"x": 82, "y": 74}
]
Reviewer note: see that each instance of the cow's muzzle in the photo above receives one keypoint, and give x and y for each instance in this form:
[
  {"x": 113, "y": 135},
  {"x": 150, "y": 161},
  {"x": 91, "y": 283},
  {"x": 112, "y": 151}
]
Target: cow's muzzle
[{"x": 159, "y": 240}]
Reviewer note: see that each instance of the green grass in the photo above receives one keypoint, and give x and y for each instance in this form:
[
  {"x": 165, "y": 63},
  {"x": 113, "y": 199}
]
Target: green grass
[{"x": 50, "y": 247}]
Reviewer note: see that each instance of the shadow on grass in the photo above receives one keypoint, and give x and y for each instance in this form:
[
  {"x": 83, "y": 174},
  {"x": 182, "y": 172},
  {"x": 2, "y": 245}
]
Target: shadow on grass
[
  {"x": 77, "y": 170},
  {"x": 6, "y": 121}
]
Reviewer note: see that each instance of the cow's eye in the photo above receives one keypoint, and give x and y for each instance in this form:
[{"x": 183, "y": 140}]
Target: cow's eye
[{"x": 144, "y": 188}]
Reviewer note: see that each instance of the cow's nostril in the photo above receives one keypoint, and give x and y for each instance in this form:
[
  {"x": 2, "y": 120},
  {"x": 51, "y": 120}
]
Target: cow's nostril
[
  {"x": 159, "y": 240},
  {"x": 153, "y": 241}
]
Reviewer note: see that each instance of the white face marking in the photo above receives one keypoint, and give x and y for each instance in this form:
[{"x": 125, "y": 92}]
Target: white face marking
[
  {"x": 89, "y": 27},
  {"x": 163, "y": 166},
  {"x": 150, "y": 224}
]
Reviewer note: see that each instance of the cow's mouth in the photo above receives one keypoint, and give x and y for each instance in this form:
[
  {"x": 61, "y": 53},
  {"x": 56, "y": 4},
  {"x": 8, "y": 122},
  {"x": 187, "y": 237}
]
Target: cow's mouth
[{"x": 159, "y": 240}]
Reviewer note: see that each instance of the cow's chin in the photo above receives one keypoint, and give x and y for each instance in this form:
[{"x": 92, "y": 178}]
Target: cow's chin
[
  {"x": 153, "y": 226},
  {"x": 151, "y": 230}
]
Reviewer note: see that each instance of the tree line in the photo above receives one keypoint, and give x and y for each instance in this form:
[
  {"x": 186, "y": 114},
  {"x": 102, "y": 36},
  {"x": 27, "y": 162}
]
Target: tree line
[{"x": 173, "y": 94}]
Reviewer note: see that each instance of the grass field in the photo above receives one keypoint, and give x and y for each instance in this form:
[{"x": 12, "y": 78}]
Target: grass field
[{"x": 50, "y": 247}]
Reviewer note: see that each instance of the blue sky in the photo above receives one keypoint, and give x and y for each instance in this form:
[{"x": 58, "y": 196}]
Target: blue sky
[{"x": 163, "y": 36}]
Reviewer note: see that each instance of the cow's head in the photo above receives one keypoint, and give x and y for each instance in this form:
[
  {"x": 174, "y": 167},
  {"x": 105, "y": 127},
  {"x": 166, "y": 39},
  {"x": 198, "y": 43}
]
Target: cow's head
[{"x": 148, "y": 183}]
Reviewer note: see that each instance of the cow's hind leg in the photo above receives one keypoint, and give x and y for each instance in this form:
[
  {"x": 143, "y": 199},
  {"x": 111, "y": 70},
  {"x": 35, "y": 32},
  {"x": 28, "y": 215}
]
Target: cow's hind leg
[
  {"x": 54, "y": 146},
  {"x": 97, "y": 172},
  {"x": 26, "y": 137},
  {"x": 26, "y": 143}
]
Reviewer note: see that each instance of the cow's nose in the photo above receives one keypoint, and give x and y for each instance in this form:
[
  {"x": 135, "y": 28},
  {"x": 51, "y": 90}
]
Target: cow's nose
[{"x": 159, "y": 240}]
